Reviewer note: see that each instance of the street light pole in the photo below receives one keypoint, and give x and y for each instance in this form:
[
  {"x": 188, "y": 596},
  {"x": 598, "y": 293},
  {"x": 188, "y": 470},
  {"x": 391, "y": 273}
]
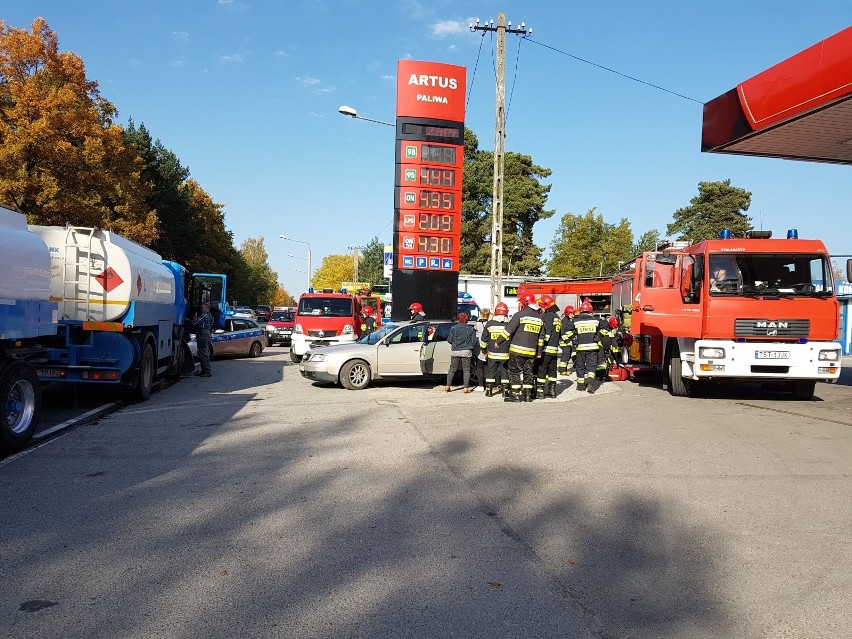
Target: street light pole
[
  {"x": 352, "y": 113},
  {"x": 284, "y": 237}
]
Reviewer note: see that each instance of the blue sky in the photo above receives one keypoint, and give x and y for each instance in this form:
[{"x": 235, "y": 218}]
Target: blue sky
[{"x": 246, "y": 94}]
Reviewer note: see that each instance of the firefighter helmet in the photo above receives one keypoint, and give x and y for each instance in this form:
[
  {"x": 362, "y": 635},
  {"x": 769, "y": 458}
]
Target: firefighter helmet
[
  {"x": 546, "y": 301},
  {"x": 501, "y": 309},
  {"x": 586, "y": 307},
  {"x": 613, "y": 321},
  {"x": 526, "y": 299},
  {"x": 367, "y": 311},
  {"x": 416, "y": 307},
  {"x": 569, "y": 311}
]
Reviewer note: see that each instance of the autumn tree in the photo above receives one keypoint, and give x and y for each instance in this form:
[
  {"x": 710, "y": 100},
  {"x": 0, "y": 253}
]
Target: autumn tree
[
  {"x": 334, "y": 270},
  {"x": 254, "y": 282},
  {"x": 586, "y": 246},
  {"x": 524, "y": 199},
  {"x": 717, "y": 206},
  {"x": 282, "y": 298},
  {"x": 62, "y": 158}
]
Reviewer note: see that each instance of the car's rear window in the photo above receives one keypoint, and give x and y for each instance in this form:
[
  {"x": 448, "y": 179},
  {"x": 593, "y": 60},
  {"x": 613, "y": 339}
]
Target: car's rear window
[{"x": 282, "y": 317}]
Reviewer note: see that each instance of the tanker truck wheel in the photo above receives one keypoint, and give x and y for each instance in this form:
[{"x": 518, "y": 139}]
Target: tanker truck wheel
[
  {"x": 20, "y": 399},
  {"x": 145, "y": 379}
]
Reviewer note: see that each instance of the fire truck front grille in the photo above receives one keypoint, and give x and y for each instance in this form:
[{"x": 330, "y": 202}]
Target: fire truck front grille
[
  {"x": 319, "y": 333},
  {"x": 772, "y": 328}
]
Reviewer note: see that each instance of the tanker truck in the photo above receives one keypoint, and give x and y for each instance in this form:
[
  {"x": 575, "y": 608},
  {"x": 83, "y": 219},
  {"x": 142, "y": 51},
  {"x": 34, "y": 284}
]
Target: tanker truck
[
  {"x": 26, "y": 315},
  {"x": 117, "y": 315}
]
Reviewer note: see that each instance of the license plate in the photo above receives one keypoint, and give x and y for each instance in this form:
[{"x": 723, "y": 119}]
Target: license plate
[
  {"x": 772, "y": 354},
  {"x": 48, "y": 372}
]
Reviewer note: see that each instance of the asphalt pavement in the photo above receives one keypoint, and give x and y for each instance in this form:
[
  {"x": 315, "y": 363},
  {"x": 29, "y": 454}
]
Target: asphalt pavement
[{"x": 258, "y": 504}]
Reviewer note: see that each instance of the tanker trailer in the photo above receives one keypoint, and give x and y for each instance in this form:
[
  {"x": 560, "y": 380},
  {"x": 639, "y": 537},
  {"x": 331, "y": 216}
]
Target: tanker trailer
[
  {"x": 26, "y": 314},
  {"x": 121, "y": 311}
]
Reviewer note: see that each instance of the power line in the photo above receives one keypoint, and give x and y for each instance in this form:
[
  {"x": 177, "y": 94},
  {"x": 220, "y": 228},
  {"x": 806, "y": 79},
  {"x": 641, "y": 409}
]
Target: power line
[{"x": 623, "y": 75}]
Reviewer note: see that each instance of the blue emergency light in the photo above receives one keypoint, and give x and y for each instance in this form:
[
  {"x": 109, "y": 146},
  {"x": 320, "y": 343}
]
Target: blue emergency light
[
  {"x": 793, "y": 234},
  {"x": 725, "y": 234}
]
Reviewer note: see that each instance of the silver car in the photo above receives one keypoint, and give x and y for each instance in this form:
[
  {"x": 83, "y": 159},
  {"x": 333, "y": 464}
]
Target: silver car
[{"x": 397, "y": 350}]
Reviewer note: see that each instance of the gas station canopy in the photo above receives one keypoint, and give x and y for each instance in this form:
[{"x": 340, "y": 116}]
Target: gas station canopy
[{"x": 800, "y": 109}]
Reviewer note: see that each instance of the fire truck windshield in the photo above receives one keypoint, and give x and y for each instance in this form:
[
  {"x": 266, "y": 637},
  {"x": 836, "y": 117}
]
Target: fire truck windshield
[{"x": 769, "y": 274}]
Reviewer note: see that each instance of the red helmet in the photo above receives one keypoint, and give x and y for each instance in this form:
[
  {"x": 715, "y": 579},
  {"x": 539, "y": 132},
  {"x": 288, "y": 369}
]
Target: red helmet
[
  {"x": 526, "y": 299},
  {"x": 367, "y": 311},
  {"x": 586, "y": 307},
  {"x": 613, "y": 321},
  {"x": 546, "y": 301},
  {"x": 416, "y": 307},
  {"x": 569, "y": 310},
  {"x": 501, "y": 309}
]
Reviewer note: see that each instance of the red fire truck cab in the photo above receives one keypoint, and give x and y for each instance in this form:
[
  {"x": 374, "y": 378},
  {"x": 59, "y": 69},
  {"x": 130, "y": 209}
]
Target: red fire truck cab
[
  {"x": 732, "y": 309},
  {"x": 327, "y": 318}
]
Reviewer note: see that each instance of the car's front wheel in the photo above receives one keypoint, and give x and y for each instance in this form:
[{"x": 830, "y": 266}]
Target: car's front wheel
[{"x": 355, "y": 375}]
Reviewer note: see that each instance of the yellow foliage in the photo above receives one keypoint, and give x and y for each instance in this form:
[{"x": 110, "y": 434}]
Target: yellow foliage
[
  {"x": 334, "y": 270},
  {"x": 62, "y": 159}
]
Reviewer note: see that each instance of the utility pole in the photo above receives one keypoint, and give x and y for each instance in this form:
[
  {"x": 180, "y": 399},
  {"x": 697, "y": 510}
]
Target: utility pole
[
  {"x": 354, "y": 250},
  {"x": 499, "y": 152}
]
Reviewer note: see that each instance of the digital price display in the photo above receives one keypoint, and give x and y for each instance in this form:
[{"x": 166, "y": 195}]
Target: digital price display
[
  {"x": 451, "y": 134},
  {"x": 429, "y": 222},
  {"x": 416, "y": 154},
  {"x": 433, "y": 176},
  {"x": 429, "y": 200},
  {"x": 442, "y": 244}
]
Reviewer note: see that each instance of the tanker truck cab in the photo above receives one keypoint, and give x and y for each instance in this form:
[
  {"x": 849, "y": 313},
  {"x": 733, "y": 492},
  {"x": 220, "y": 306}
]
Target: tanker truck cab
[
  {"x": 208, "y": 288},
  {"x": 323, "y": 319}
]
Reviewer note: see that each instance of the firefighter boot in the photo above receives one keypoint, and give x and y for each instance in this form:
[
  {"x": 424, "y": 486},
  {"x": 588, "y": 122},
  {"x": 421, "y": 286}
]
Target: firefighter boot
[
  {"x": 592, "y": 387},
  {"x": 489, "y": 391},
  {"x": 540, "y": 390},
  {"x": 510, "y": 396},
  {"x": 581, "y": 385},
  {"x": 528, "y": 395},
  {"x": 550, "y": 391}
]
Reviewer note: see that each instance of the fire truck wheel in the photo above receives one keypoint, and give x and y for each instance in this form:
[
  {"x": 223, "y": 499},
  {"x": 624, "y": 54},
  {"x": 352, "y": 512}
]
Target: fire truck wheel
[
  {"x": 803, "y": 390},
  {"x": 295, "y": 358},
  {"x": 20, "y": 400},
  {"x": 678, "y": 386},
  {"x": 145, "y": 379},
  {"x": 355, "y": 375}
]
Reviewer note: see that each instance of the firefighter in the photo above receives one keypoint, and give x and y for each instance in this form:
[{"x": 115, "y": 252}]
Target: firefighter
[
  {"x": 605, "y": 351},
  {"x": 368, "y": 323},
  {"x": 551, "y": 335},
  {"x": 565, "y": 342},
  {"x": 617, "y": 340},
  {"x": 497, "y": 354},
  {"x": 416, "y": 310},
  {"x": 524, "y": 333},
  {"x": 587, "y": 334}
]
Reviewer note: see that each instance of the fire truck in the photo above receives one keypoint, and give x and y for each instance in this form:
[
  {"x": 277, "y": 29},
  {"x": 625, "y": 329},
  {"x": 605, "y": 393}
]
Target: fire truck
[
  {"x": 329, "y": 317},
  {"x": 571, "y": 292},
  {"x": 753, "y": 308}
]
